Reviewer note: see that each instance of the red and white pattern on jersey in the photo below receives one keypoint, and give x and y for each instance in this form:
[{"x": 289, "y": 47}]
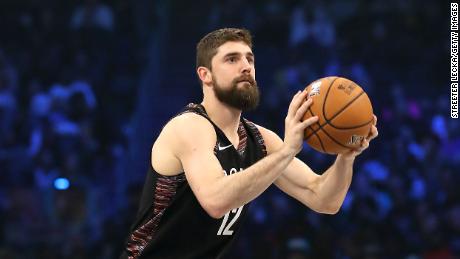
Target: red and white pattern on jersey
[
  {"x": 259, "y": 138},
  {"x": 243, "y": 139},
  {"x": 165, "y": 189},
  {"x": 242, "y": 134}
]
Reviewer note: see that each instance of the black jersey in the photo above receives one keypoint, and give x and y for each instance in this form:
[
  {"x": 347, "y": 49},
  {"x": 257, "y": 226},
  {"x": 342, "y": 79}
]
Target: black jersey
[{"x": 172, "y": 224}]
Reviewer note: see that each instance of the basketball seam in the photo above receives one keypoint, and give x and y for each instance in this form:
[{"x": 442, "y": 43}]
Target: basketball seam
[
  {"x": 342, "y": 109},
  {"x": 325, "y": 98},
  {"x": 321, "y": 143},
  {"x": 329, "y": 121},
  {"x": 328, "y": 135},
  {"x": 333, "y": 139},
  {"x": 322, "y": 126},
  {"x": 349, "y": 128},
  {"x": 335, "y": 115},
  {"x": 314, "y": 132}
]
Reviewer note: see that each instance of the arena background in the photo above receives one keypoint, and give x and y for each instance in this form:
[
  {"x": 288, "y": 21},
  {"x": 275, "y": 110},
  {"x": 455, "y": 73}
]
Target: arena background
[{"x": 85, "y": 87}]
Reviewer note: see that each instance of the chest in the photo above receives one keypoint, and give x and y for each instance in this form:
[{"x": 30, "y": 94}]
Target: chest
[{"x": 233, "y": 159}]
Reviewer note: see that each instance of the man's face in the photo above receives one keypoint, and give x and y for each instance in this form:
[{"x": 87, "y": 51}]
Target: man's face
[{"x": 233, "y": 76}]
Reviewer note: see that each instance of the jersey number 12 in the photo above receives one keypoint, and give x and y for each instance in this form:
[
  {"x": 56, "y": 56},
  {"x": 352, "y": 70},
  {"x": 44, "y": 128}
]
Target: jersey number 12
[{"x": 224, "y": 229}]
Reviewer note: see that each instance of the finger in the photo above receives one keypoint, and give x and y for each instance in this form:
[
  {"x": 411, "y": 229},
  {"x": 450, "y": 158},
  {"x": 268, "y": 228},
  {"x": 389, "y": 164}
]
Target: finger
[
  {"x": 309, "y": 121},
  {"x": 358, "y": 151},
  {"x": 365, "y": 144},
  {"x": 291, "y": 105},
  {"x": 375, "y": 120},
  {"x": 302, "y": 110},
  {"x": 373, "y": 134},
  {"x": 300, "y": 99}
]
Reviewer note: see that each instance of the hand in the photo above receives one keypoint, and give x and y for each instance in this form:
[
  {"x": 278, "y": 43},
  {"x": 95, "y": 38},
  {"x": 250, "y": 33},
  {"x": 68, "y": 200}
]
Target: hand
[
  {"x": 294, "y": 126},
  {"x": 365, "y": 143}
]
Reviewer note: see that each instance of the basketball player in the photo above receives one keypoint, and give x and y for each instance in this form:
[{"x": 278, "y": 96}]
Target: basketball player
[{"x": 208, "y": 162}]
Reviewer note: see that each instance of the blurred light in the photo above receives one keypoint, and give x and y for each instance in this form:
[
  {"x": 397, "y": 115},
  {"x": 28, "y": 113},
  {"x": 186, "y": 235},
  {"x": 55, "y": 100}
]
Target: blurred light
[
  {"x": 417, "y": 151},
  {"x": 439, "y": 127},
  {"x": 418, "y": 188},
  {"x": 299, "y": 244},
  {"x": 384, "y": 202},
  {"x": 414, "y": 110},
  {"x": 348, "y": 202},
  {"x": 376, "y": 170},
  {"x": 61, "y": 183}
]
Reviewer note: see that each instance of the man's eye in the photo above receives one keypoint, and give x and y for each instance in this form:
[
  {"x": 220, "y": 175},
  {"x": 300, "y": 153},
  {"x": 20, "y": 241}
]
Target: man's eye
[{"x": 231, "y": 60}]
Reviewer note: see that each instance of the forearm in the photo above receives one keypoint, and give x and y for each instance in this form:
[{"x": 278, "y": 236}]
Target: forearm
[
  {"x": 238, "y": 189},
  {"x": 335, "y": 182}
]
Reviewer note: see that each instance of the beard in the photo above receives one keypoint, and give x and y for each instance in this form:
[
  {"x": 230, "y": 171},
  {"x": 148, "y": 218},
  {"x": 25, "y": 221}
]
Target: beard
[{"x": 243, "y": 98}]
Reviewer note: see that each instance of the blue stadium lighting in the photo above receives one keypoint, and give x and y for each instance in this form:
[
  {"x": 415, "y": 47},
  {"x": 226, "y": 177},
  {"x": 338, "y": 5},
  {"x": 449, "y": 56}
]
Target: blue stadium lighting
[{"x": 61, "y": 183}]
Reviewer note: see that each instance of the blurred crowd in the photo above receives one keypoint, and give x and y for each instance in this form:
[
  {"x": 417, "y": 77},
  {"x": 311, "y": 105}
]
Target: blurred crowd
[
  {"x": 69, "y": 81},
  {"x": 68, "y": 77}
]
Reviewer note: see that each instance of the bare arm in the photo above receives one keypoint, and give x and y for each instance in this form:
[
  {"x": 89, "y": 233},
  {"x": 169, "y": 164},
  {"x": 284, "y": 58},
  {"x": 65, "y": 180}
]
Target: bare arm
[
  {"x": 323, "y": 193},
  {"x": 216, "y": 192}
]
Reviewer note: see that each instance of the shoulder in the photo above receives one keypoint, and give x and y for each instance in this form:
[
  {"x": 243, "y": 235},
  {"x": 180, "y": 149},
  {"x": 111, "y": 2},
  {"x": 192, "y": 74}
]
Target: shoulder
[
  {"x": 181, "y": 136},
  {"x": 189, "y": 121},
  {"x": 272, "y": 141},
  {"x": 189, "y": 129}
]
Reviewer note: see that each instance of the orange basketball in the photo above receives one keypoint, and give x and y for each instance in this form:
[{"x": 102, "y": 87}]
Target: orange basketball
[{"x": 344, "y": 113}]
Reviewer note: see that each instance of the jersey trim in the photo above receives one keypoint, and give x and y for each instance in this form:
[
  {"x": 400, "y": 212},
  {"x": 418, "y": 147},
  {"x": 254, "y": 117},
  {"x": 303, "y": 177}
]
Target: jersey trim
[
  {"x": 258, "y": 135},
  {"x": 169, "y": 189},
  {"x": 165, "y": 190},
  {"x": 200, "y": 110}
]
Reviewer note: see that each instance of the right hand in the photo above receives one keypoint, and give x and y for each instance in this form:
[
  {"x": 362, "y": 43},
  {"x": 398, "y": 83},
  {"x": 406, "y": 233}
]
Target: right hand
[{"x": 294, "y": 126}]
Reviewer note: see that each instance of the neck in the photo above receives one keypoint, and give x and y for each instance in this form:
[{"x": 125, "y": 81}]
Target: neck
[{"x": 224, "y": 116}]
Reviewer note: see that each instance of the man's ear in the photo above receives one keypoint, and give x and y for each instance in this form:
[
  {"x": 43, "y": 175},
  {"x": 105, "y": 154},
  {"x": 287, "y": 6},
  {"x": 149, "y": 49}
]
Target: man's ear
[{"x": 204, "y": 74}]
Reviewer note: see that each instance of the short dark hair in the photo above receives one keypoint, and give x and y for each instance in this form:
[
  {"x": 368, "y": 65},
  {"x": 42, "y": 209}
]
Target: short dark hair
[{"x": 207, "y": 47}]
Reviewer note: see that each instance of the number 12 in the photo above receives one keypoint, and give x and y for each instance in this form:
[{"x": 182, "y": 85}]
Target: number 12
[{"x": 225, "y": 230}]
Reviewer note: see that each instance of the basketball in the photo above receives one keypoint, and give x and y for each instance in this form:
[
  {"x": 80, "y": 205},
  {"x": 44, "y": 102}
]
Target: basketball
[{"x": 344, "y": 113}]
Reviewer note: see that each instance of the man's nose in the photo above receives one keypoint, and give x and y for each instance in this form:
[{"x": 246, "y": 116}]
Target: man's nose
[{"x": 247, "y": 67}]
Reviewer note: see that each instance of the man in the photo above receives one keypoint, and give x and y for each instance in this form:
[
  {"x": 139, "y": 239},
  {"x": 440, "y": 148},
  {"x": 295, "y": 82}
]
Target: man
[{"x": 208, "y": 162}]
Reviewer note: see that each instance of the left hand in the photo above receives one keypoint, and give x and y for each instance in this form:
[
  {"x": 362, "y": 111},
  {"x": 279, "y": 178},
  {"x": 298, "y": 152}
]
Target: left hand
[{"x": 365, "y": 143}]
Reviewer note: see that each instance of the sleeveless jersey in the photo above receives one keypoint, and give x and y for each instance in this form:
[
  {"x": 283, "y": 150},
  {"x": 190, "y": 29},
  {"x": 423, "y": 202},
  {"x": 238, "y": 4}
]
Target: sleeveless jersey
[{"x": 172, "y": 224}]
